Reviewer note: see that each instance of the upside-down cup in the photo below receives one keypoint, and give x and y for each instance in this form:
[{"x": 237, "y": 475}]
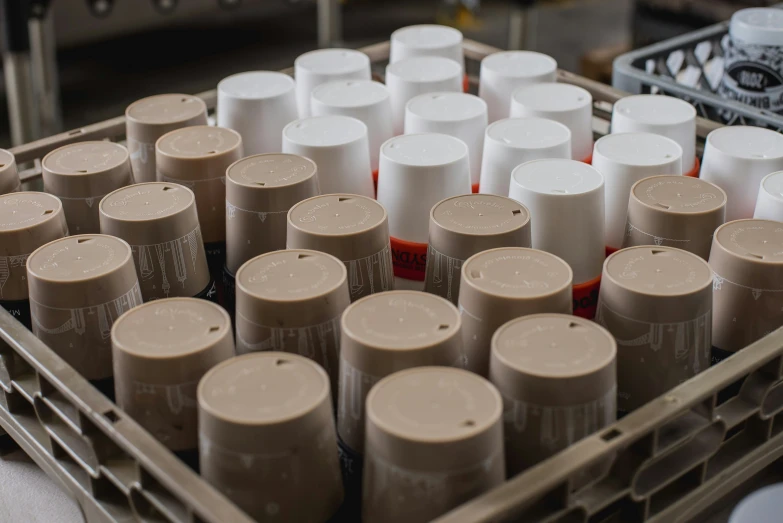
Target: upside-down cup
[
  {"x": 736, "y": 159},
  {"x": 514, "y": 141},
  {"x": 9, "y": 174},
  {"x": 326, "y": 65},
  {"x": 623, "y": 159},
  {"x": 557, "y": 376},
  {"x": 28, "y": 220},
  {"x": 747, "y": 258},
  {"x": 79, "y": 286},
  {"x": 428, "y": 40},
  {"x": 353, "y": 229},
  {"x": 566, "y": 202},
  {"x": 769, "y": 203},
  {"x": 434, "y": 440},
  {"x": 365, "y": 100},
  {"x": 160, "y": 352},
  {"x": 568, "y": 104},
  {"x": 82, "y": 173},
  {"x": 416, "y": 172},
  {"x": 504, "y": 72},
  {"x": 148, "y": 119},
  {"x": 257, "y": 105},
  {"x": 417, "y": 75},
  {"x": 460, "y": 115},
  {"x": 339, "y": 147},
  {"x": 267, "y": 438},
  {"x": 663, "y": 115},
  {"x": 657, "y": 303},
  {"x": 462, "y": 226},
  {"x": 674, "y": 211},
  {"x": 160, "y": 223},
  {"x": 499, "y": 285}
]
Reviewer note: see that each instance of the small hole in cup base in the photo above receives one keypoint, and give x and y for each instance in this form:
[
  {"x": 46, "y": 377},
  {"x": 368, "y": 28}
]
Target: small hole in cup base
[
  {"x": 262, "y": 184},
  {"x": 82, "y": 172},
  {"x": 516, "y": 212},
  {"x": 167, "y": 188},
  {"x": 303, "y": 256},
  {"x": 214, "y": 328},
  {"x": 83, "y": 240},
  {"x": 662, "y": 205},
  {"x": 211, "y": 152},
  {"x": 475, "y": 275},
  {"x": 443, "y": 327},
  {"x": 657, "y": 252},
  {"x": 757, "y": 256},
  {"x": 281, "y": 362},
  {"x": 573, "y": 325},
  {"x": 2, "y": 165},
  {"x": 48, "y": 211},
  {"x": 344, "y": 199},
  {"x": 468, "y": 423},
  {"x": 185, "y": 100}
]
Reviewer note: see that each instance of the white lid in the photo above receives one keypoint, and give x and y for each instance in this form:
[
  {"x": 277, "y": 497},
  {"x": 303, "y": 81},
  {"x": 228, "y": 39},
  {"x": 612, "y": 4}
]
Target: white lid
[
  {"x": 520, "y": 64},
  {"x": 333, "y": 61},
  {"x": 558, "y": 177},
  {"x": 552, "y": 97},
  {"x": 325, "y": 131},
  {"x": 760, "y": 26},
  {"x": 529, "y": 133},
  {"x": 425, "y": 69},
  {"x": 350, "y": 93},
  {"x": 422, "y": 150},
  {"x": 655, "y": 110},
  {"x": 256, "y": 85},
  {"x": 772, "y": 184},
  {"x": 447, "y": 107},
  {"x": 638, "y": 149},
  {"x": 761, "y": 506},
  {"x": 752, "y": 143},
  {"x": 427, "y": 37}
]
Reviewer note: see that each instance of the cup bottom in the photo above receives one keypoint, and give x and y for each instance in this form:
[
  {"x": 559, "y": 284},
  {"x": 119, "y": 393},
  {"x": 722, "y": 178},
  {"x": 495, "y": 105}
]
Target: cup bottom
[
  {"x": 586, "y": 298},
  {"x": 20, "y": 310}
]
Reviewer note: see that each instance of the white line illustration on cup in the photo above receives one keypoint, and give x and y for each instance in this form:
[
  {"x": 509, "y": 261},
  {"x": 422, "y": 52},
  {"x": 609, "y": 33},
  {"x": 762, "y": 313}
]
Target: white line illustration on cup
[
  {"x": 178, "y": 396},
  {"x": 354, "y": 387},
  {"x": 443, "y": 263},
  {"x": 145, "y": 260},
  {"x": 231, "y": 212},
  {"x": 657, "y": 239},
  {"x": 362, "y": 269},
  {"x": 6, "y": 264},
  {"x": 718, "y": 281}
]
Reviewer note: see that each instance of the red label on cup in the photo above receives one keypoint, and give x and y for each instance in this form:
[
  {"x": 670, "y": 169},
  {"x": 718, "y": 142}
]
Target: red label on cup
[
  {"x": 475, "y": 188},
  {"x": 409, "y": 259},
  {"x": 465, "y": 84},
  {"x": 694, "y": 173},
  {"x": 586, "y": 298},
  {"x": 588, "y": 160},
  {"x": 611, "y": 250}
]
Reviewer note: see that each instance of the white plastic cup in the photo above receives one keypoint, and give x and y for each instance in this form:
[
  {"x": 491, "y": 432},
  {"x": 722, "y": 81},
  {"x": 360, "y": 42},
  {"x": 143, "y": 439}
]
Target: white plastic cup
[
  {"x": 568, "y": 104},
  {"x": 257, "y": 105},
  {"x": 769, "y": 204},
  {"x": 417, "y": 75},
  {"x": 763, "y": 505},
  {"x": 514, "y": 141},
  {"x": 427, "y": 40},
  {"x": 503, "y": 73},
  {"x": 736, "y": 158},
  {"x": 339, "y": 147},
  {"x": 623, "y": 159},
  {"x": 364, "y": 100},
  {"x": 461, "y": 115},
  {"x": 664, "y": 115},
  {"x": 327, "y": 65}
]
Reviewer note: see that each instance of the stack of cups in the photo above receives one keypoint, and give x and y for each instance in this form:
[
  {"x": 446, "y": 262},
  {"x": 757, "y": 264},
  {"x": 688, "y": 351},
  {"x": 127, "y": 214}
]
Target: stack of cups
[
  {"x": 505, "y": 72},
  {"x": 339, "y": 146},
  {"x": 9, "y": 175},
  {"x": 260, "y": 190},
  {"x": 462, "y": 226},
  {"x": 267, "y": 438},
  {"x": 674, "y": 211},
  {"x": 160, "y": 223},
  {"x": 568, "y": 104},
  {"x": 624, "y": 159},
  {"x": 364, "y": 100},
  {"x": 326, "y": 65},
  {"x": 413, "y": 76},
  {"x": 663, "y": 115},
  {"x": 657, "y": 303},
  {"x": 150, "y": 118},
  {"x": 461, "y": 115},
  {"x": 382, "y": 334},
  {"x": 353, "y": 229},
  {"x": 416, "y": 172},
  {"x": 752, "y": 151},
  {"x": 257, "y": 105},
  {"x": 79, "y": 286},
  {"x": 557, "y": 376},
  {"x": 160, "y": 352},
  {"x": 434, "y": 440},
  {"x": 28, "y": 220},
  {"x": 566, "y": 201},
  {"x": 197, "y": 157},
  {"x": 291, "y": 301},
  {"x": 428, "y": 40},
  {"x": 747, "y": 257},
  {"x": 80, "y": 175},
  {"x": 502, "y": 284},
  {"x": 514, "y": 141},
  {"x": 769, "y": 203}
]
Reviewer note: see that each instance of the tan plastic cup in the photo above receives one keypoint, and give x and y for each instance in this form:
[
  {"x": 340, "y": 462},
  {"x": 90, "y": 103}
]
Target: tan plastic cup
[
  {"x": 657, "y": 303},
  {"x": 148, "y": 119},
  {"x": 557, "y": 376},
  {"x": 747, "y": 258},
  {"x": 28, "y": 220},
  {"x": 675, "y": 211},
  {"x": 353, "y": 229},
  {"x": 499, "y": 285},
  {"x": 267, "y": 438},
  {"x": 462, "y": 226},
  {"x": 291, "y": 301},
  {"x": 9, "y": 174},
  {"x": 260, "y": 190},
  {"x": 79, "y": 286},
  {"x": 434, "y": 441},
  {"x": 197, "y": 157},
  {"x": 82, "y": 173},
  {"x": 160, "y": 223},
  {"x": 160, "y": 352}
]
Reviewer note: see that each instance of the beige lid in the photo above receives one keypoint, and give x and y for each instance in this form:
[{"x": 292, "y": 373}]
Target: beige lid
[
  {"x": 270, "y": 182},
  {"x": 434, "y": 419},
  {"x": 461, "y": 226},
  {"x": 347, "y": 226},
  {"x": 749, "y": 253},
  {"x": 86, "y": 169},
  {"x": 9, "y": 175},
  {"x": 197, "y": 153},
  {"x": 150, "y": 118},
  {"x": 553, "y": 360}
]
